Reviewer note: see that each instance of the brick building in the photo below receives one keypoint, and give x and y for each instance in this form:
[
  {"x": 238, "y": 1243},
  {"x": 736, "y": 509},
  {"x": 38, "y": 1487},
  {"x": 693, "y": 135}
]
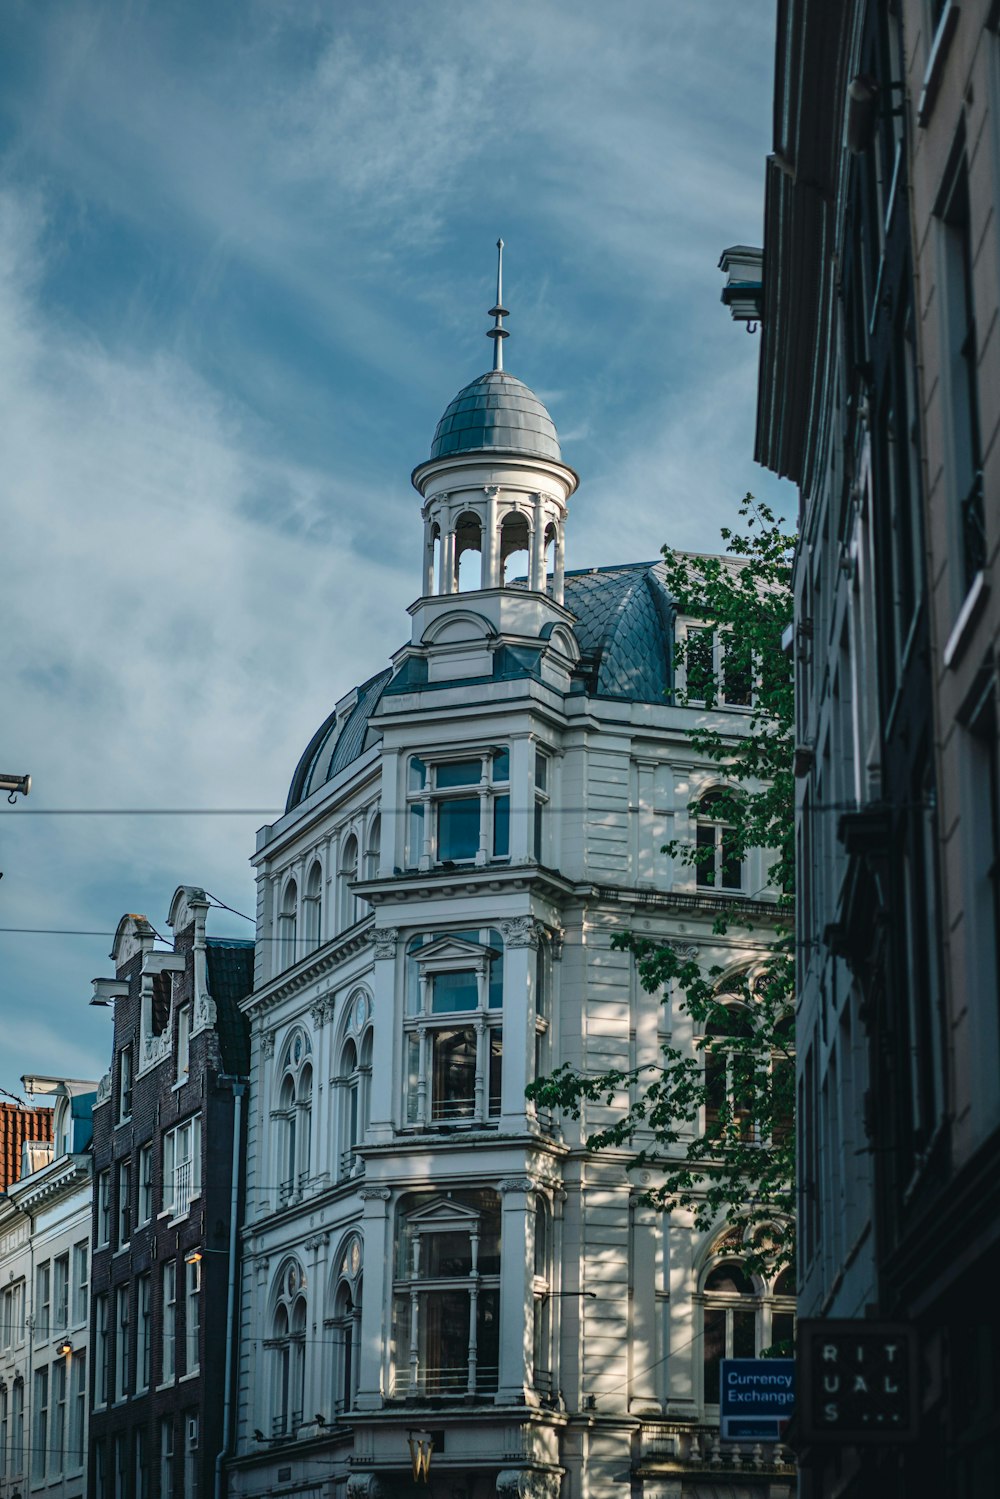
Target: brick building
[{"x": 166, "y": 1197}]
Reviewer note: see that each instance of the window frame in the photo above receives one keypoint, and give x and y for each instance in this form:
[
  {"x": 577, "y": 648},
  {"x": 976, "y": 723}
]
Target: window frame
[
  {"x": 425, "y": 800},
  {"x": 178, "y": 1204},
  {"x": 425, "y": 1027}
]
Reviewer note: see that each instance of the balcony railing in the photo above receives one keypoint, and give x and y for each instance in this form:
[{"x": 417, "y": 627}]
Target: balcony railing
[{"x": 448, "y": 1383}]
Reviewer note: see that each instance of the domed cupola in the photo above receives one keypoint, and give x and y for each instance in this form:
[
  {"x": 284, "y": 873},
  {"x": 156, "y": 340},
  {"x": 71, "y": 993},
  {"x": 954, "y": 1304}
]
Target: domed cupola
[
  {"x": 496, "y": 412},
  {"x": 495, "y": 483}
]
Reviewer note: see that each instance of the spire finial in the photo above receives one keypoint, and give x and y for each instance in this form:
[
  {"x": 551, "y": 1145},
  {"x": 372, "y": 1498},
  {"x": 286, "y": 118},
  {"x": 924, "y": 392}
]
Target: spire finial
[{"x": 498, "y": 332}]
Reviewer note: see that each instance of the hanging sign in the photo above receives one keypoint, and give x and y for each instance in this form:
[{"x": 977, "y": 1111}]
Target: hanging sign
[
  {"x": 857, "y": 1381},
  {"x": 756, "y": 1398}
]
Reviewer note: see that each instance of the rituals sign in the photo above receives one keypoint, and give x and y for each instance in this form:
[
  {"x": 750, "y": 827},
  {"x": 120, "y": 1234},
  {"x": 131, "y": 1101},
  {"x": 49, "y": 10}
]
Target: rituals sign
[{"x": 857, "y": 1382}]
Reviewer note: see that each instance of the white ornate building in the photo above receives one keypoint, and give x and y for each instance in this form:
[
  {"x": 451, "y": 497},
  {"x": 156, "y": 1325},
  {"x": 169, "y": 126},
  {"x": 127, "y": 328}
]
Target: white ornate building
[
  {"x": 426, "y": 1255},
  {"x": 45, "y": 1303}
]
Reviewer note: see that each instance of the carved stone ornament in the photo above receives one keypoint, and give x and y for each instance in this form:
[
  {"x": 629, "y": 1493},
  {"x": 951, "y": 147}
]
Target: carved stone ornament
[
  {"x": 267, "y": 1044},
  {"x": 688, "y": 951},
  {"x": 382, "y": 1193},
  {"x": 385, "y": 939},
  {"x": 365, "y": 1486},
  {"x": 205, "y": 1012},
  {"x": 527, "y": 1483},
  {"x": 520, "y": 931},
  {"x": 103, "y": 1089},
  {"x": 517, "y": 1184},
  {"x": 320, "y": 1013}
]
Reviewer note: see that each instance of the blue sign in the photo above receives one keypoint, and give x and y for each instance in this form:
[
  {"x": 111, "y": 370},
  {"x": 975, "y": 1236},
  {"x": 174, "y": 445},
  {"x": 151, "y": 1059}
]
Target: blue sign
[{"x": 757, "y": 1398}]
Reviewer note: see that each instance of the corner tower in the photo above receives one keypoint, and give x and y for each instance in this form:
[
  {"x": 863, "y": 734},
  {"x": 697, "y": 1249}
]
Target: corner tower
[{"x": 495, "y": 485}]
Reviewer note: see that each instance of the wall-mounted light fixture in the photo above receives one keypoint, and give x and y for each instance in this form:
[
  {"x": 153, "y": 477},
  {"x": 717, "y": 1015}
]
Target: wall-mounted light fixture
[
  {"x": 193, "y": 1257},
  {"x": 65, "y": 1348}
]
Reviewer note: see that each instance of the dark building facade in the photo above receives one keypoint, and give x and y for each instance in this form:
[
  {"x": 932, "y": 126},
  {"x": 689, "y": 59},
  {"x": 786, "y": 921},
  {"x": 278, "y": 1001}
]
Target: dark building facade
[
  {"x": 167, "y": 1146},
  {"x": 874, "y": 400}
]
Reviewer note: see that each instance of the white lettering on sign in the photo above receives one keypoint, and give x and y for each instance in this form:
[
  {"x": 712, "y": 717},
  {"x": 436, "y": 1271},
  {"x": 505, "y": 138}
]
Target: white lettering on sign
[
  {"x": 859, "y": 1383},
  {"x": 830, "y": 1353},
  {"x": 831, "y": 1412}
]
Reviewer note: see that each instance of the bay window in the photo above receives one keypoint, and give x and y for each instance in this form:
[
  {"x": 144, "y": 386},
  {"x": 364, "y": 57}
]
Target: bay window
[
  {"x": 454, "y": 1028},
  {"x": 458, "y": 809},
  {"x": 446, "y": 1301}
]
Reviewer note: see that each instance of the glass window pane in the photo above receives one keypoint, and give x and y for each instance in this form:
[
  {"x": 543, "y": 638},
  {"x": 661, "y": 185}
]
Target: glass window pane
[
  {"x": 537, "y": 839},
  {"x": 541, "y": 772},
  {"x": 446, "y": 1254},
  {"x": 412, "y": 1077},
  {"x": 501, "y": 765},
  {"x": 783, "y": 1331},
  {"x": 444, "y": 1341},
  {"x": 453, "y": 1074},
  {"x": 496, "y": 1068},
  {"x": 416, "y": 835},
  {"x": 458, "y": 828},
  {"x": 732, "y": 869},
  {"x": 705, "y": 854},
  {"x": 744, "y": 1334},
  {"x": 459, "y": 773},
  {"x": 737, "y": 673},
  {"x": 713, "y": 1349},
  {"x": 699, "y": 663},
  {"x": 488, "y": 1341},
  {"x": 729, "y": 1279},
  {"x": 454, "y": 991},
  {"x": 418, "y": 774},
  {"x": 501, "y": 827},
  {"x": 495, "y": 941}
]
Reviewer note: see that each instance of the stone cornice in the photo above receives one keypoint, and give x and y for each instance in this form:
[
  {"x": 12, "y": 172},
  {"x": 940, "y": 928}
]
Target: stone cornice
[
  {"x": 316, "y": 966},
  {"x": 416, "y": 885},
  {"x": 60, "y": 1178}
]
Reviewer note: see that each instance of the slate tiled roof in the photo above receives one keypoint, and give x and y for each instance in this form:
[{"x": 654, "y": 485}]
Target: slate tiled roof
[
  {"x": 328, "y": 752},
  {"x": 623, "y": 622},
  {"x": 624, "y": 629},
  {"x": 16, "y": 1126},
  {"x": 496, "y": 411},
  {"x": 230, "y": 979}
]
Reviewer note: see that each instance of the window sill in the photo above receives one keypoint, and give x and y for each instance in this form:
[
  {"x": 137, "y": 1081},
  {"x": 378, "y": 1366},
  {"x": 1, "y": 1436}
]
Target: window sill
[
  {"x": 186, "y": 1378},
  {"x": 180, "y": 1083},
  {"x": 122, "y": 1249},
  {"x": 167, "y": 1384}
]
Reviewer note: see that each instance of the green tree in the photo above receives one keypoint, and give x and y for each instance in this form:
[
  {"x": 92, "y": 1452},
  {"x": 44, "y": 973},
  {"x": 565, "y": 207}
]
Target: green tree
[{"x": 716, "y": 1128}]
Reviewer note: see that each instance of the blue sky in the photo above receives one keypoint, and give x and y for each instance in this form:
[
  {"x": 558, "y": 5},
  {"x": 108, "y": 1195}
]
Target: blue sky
[{"x": 246, "y": 252}]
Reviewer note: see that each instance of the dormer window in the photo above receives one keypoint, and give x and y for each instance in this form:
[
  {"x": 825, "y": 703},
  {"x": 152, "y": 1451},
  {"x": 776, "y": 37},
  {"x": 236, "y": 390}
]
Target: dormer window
[{"x": 459, "y": 809}]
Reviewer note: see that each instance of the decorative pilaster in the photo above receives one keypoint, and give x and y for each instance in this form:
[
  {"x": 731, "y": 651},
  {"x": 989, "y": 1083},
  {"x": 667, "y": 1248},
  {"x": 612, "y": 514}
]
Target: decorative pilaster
[
  {"x": 376, "y": 1310},
  {"x": 517, "y": 1230}
]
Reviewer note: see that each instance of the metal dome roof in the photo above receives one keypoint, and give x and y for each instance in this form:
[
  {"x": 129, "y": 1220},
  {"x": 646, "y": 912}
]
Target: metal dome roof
[{"x": 500, "y": 412}]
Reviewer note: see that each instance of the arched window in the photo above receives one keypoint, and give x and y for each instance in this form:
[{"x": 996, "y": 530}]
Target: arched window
[
  {"x": 349, "y": 1082},
  {"x": 288, "y": 1349},
  {"x": 347, "y": 903},
  {"x": 730, "y": 1102},
  {"x": 372, "y": 850},
  {"x": 469, "y": 552},
  {"x": 347, "y": 1326},
  {"x": 353, "y": 1081},
  {"x": 717, "y": 866},
  {"x": 542, "y": 1288},
  {"x": 446, "y": 1301},
  {"x": 731, "y": 1326},
  {"x": 287, "y": 922},
  {"x": 313, "y": 907},
  {"x": 293, "y": 1116},
  {"x": 515, "y": 539}
]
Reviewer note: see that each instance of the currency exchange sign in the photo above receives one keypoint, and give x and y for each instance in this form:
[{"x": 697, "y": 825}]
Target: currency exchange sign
[{"x": 756, "y": 1398}]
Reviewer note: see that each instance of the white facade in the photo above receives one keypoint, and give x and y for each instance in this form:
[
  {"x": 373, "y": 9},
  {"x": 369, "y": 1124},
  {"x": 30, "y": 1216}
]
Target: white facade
[
  {"x": 424, "y": 1251},
  {"x": 45, "y": 1306}
]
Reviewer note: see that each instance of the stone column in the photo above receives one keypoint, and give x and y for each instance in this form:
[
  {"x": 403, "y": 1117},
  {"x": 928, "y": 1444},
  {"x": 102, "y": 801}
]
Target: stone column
[
  {"x": 516, "y": 1269},
  {"x": 383, "y": 1091},
  {"x": 491, "y": 540},
  {"x": 537, "y": 548},
  {"x": 449, "y": 581},
  {"x": 559, "y": 569},
  {"x": 520, "y": 937},
  {"x": 376, "y": 1308},
  {"x": 642, "y": 1292},
  {"x": 428, "y": 587}
]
